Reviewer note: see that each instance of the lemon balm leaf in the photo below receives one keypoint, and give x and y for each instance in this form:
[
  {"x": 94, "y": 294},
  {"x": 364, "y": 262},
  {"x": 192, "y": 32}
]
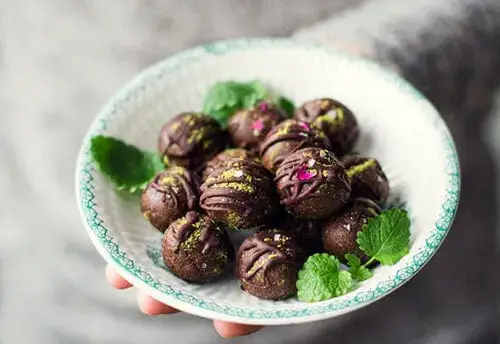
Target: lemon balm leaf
[{"x": 128, "y": 167}]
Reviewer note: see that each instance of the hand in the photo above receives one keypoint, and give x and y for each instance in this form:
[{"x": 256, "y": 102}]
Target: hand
[{"x": 150, "y": 306}]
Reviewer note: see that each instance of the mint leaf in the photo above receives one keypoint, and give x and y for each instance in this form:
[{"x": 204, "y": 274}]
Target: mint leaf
[
  {"x": 225, "y": 98},
  {"x": 129, "y": 168},
  {"x": 386, "y": 238},
  {"x": 358, "y": 272},
  {"x": 321, "y": 279},
  {"x": 287, "y": 105}
]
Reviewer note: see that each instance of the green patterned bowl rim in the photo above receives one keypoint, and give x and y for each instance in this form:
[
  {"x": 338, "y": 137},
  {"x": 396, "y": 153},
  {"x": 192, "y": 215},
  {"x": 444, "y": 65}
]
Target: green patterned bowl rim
[{"x": 107, "y": 247}]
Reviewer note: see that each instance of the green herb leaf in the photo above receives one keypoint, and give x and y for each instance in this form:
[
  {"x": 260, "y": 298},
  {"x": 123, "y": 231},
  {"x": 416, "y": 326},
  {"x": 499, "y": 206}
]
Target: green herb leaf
[
  {"x": 129, "y": 168},
  {"x": 225, "y": 98},
  {"x": 358, "y": 272},
  {"x": 287, "y": 105},
  {"x": 321, "y": 279},
  {"x": 386, "y": 238}
]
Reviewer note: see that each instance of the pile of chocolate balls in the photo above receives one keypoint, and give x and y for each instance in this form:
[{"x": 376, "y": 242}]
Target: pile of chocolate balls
[{"x": 293, "y": 184}]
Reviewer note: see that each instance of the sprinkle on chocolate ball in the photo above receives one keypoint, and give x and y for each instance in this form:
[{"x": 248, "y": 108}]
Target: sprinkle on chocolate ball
[
  {"x": 340, "y": 232},
  {"x": 336, "y": 121},
  {"x": 248, "y": 127},
  {"x": 169, "y": 196},
  {"x": 312, "y": 183},
  {"x": 228, "y": 154},
  {"x": 267, "y": 264},
  {"x": 196, "y": 249},
  {"x": 190, "y": 140},
  {"x": 239, "y": 193},
  {"x": 288, "y": 137},
  {"x": 368, "y": 180}
]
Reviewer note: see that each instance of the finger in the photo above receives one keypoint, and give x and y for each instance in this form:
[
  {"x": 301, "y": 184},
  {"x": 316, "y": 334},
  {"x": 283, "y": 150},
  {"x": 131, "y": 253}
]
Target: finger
[
  {"x": 150, "y": 306},
  {"x": 116, "y": 280},
  {"x": 230, "y": 330}
]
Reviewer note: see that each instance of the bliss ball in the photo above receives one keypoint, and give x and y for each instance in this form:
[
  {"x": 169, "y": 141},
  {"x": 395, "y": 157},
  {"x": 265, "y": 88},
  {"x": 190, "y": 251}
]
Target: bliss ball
[
  {"x": 239, "y": 193},
  {"x": 340, "y": 232},
  {"x": 228, "y": 154},
  {"x": 196, "y": 248},
  {"x": 248, "y": 127},
  {"x": 312, "y": 184},
  {"x": 169, "y": 196},
  {"x": 307, "y": 234},
  {"x": 368, "y": 180},
  {"x": 267, "y": 264},
  {"x": 190, "y": 140},
  {"x": 335, "y": 119},
  {"x": 288, "y": 137}
]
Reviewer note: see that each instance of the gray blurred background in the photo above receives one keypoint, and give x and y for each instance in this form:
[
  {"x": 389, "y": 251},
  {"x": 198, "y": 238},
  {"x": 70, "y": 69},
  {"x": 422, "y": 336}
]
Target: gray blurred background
[{"x": 61, "y": 59}]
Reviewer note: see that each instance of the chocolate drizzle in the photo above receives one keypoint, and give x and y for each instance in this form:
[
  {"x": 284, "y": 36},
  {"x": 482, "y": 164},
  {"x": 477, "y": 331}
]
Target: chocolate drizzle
[
  {"x": 247, "y": 127},
  {"x": 191, "y": 139},
  {"x": 189, "y": 182},
  {"x": 334, "y": 119},
  {"x": 296, "y": 135},
  {"x": 327, "y": 170},
  {"x": 208, "y": 232},
  {"x": 239, "y": 193},
  {"x": 262, "y": 246}
]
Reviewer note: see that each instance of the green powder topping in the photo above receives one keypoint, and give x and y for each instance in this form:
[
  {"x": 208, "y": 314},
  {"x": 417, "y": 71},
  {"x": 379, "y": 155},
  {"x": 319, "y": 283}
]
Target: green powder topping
[
  {"x": 261, "y": 262},
  {"x": 235, "y": 173},
  {"x": 167, "y": 180},
  {"x": 237, "y": 186},
  {"x": 191, "y": 242},
  {"x": 232, "y": 218},
  {"x": 325, "y": 173},
  {"x": 175, "y": 126},
  {"x": 182, "y": 221},
  {"x": 357, "y": 169},
  {"x": 372, "y": 211}
]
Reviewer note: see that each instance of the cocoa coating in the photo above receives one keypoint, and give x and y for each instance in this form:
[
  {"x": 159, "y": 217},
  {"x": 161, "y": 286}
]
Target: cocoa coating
[
  {"x": 169, "y": 196},
  {"x": 196, "y": 248},
  {"x": 228, "y": 154},
  {"x": 239, "y": 193},
  {"x": 368, "y": 180},
  {"x": 337, "y": 122},
  {"x": 340, "y": 232},
  {"x": 267, "y": 264},
  {"x": 190, "y": 140},
  {"x": 288, "y": 137},
  {"x": 312, "y": 183},
  {"x": 248, "y": 127}
]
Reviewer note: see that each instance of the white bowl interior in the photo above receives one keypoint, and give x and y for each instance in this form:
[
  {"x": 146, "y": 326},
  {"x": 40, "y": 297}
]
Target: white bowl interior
[{"x": 399, "y": 128}]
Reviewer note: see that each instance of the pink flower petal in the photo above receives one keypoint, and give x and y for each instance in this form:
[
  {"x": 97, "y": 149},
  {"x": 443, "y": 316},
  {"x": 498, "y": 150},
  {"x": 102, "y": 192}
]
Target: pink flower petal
[
  {"x": 263, "y": 107},
  {"x": 305, "y": 174},
  {"x": 305, "y": 125},
  {"x": 258, "y": 125}
]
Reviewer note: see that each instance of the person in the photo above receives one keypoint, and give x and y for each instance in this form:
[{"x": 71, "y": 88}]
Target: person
[{"x": 449, "y": 55}]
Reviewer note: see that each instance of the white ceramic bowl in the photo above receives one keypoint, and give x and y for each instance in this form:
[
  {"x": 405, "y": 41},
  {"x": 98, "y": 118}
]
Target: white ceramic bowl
[{"x": 399, "y": 127}]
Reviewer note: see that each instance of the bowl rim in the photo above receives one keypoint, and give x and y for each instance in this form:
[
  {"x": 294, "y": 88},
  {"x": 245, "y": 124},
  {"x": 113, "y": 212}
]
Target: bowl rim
[{"x": 111, "y": 252}]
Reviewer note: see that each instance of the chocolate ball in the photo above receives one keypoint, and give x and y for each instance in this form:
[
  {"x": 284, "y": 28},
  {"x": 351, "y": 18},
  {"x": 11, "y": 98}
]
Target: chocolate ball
[
  {"x": 368, "y": 180},
  {"x": 169, "y": 196},
  {"x": 307, "y": 234},
  {"x": 340, "y": 232},
  {"x": 288, "y": 137},
  {"x": 239, "y": 193},
  {"x": 267, "y": 264},
  {"x": 196, "y": 248},
  {"x": 312, "y": 183},
  {"x": 335, "y": 119},
  {"x": 190, "y": 140},
  {"x": 248, "y": 127},
  {"x": 228, "y": 154}
]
